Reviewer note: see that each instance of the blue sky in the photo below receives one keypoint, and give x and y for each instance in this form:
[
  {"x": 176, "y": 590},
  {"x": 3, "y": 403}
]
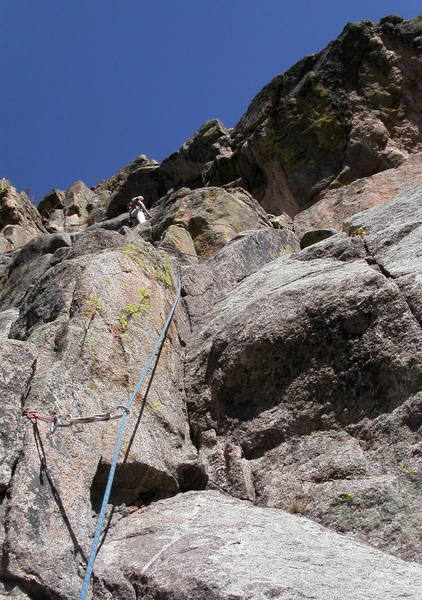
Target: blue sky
[{"x": 88, "y": 85}]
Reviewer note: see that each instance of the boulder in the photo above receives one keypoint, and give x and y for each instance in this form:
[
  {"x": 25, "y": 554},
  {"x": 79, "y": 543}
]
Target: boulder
[
  {"x": 15, "y": 236},
  {"x": 212, "y": 216},
  {"x": 178, "y": 241},
  {"x": 204, "y": 545}
]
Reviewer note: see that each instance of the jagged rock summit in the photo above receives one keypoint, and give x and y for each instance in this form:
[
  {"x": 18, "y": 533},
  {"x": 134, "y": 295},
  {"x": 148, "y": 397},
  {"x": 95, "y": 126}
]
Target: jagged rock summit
[
  {"x": 345, "y": 113},
  {"x": 19, "y": 219},
  {"x": 275, "y": 452}
]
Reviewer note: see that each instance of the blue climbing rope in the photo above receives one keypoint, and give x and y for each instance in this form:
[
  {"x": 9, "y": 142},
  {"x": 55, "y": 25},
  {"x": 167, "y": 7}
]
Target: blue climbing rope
[{"x": 100, "y": 521}]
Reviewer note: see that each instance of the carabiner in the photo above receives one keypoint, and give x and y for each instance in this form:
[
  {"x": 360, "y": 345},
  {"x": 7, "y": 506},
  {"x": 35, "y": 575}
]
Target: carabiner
[{"x": 58, "y": 422}]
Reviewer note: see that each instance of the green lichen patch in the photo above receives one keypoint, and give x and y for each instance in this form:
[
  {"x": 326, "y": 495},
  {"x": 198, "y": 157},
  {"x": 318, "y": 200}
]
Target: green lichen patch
[
  {"x": 134, "y": 254},
  {"x": 155, "y": 405},
  {"x": 349, "y": 496},
  {"x": 404, "y": 468},
  {"x": 93, "y": 305},
  {"x": 152, "y": 263},
  {"x": 134, "y": 311},
  {"x": 162, "y": 271}
]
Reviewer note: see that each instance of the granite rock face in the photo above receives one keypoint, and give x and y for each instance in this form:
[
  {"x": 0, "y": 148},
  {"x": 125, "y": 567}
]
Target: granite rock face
[
  {"x": 19, "y": 219},
  {"x": 311, "y": 367},
  {"x": 73, "y": 209},
  {"x": 342, "y": 114},
  {"x": 90, "y": 308},
  {"x": 204, "y": 545},
  {"x": 207, "y": 283},
  {"x": 289, "y": 378},
  {"x": 392, "y": 238},
  {"x": 285, "y": 406},
  {"x": 188, "y": 166},
  {"x": 335, "y": 206}
]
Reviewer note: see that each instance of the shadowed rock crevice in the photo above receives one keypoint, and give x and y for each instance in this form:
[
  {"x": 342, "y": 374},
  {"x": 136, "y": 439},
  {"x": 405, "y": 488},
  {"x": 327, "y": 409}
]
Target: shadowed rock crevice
[
  {"x": 27, "y": 588},
  {"x": 137, "y": 484},
  {"x": 133, "y": 482}
]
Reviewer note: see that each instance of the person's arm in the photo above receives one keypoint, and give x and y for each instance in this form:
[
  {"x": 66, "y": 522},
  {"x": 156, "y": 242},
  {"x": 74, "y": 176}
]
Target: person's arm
[{"x": 144, "y": 208}]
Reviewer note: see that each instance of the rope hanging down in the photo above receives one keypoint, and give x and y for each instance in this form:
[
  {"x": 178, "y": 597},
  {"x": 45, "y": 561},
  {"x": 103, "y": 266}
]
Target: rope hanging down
[{"x": 136, "y": 391}]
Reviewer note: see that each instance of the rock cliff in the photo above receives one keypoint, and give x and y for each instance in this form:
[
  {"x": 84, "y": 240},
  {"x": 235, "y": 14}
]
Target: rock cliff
[
  {"x": 19, "y": 219},
  {"x": 275, "y": 450}
]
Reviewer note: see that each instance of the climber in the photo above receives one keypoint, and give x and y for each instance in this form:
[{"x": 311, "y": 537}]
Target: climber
[{"x": 137, "y": 210}]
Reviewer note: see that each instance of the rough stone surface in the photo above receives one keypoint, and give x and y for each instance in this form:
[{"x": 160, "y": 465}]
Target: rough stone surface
[
  {"x": 339, "y": 246},
  {"x": 18, "y": 362},
  {"x": 392, "y": 235},
  {"x": 212, "y": 216},
  {"x": 19, "y": 219},
  {"x": 7, "y": 318},
  {"x": 289, "y": 378},
  {"x": 204, "y": 545},
  {"x": 179, "y": 240},
  {"x": 206, "y": 284},
  {"x": 93, "y": 309},
  {"x": 342, "y": 114},
  {"x": 311, "y": 367},
  {"x": 71, "y": 210},
  {"x": 336, "y": 206}
]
